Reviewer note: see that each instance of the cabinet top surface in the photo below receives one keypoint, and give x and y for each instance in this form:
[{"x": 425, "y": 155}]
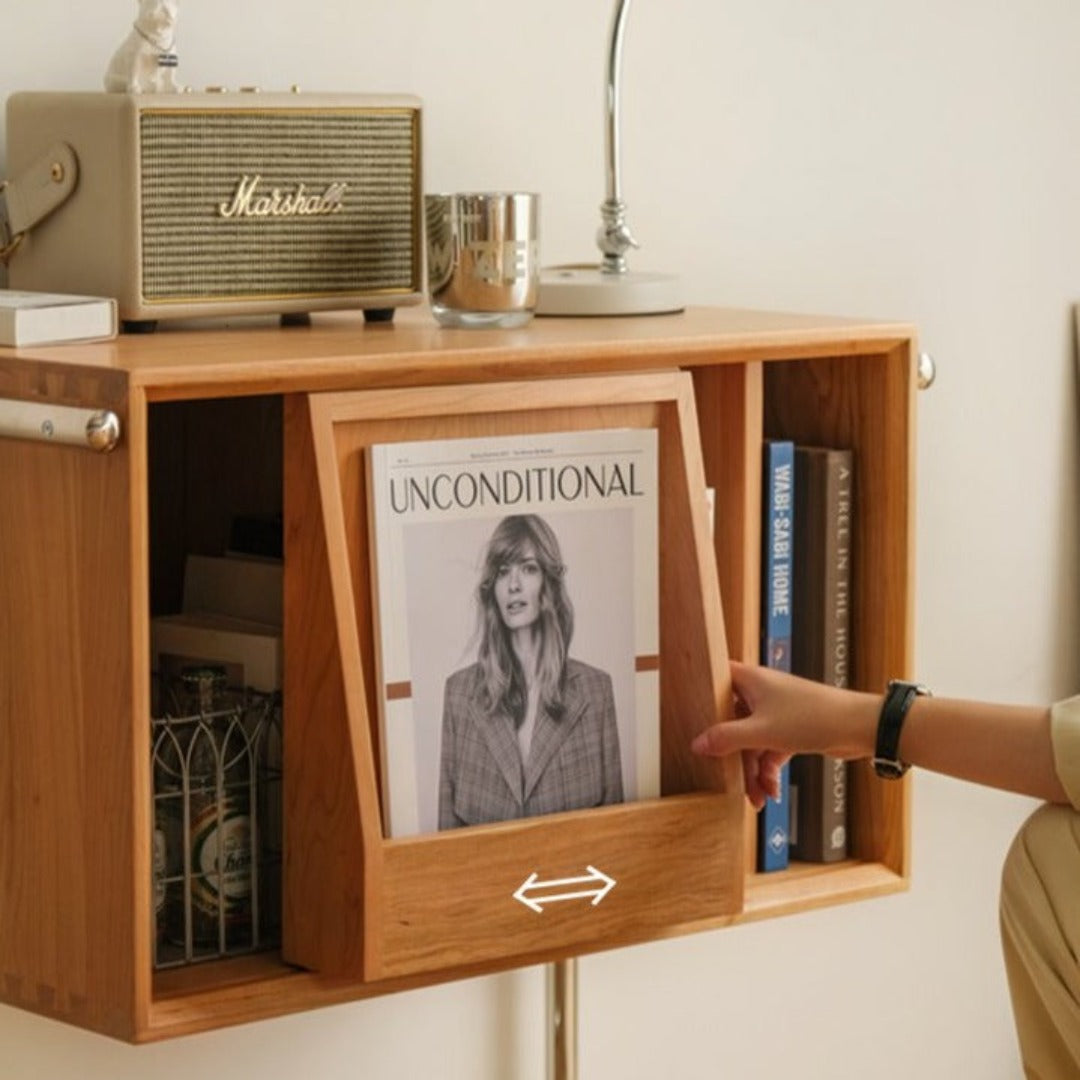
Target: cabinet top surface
[{"x": 339, "y": 348}]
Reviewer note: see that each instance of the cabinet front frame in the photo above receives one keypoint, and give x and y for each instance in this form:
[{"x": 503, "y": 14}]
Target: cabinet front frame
[{"x": 106, "y": 984}]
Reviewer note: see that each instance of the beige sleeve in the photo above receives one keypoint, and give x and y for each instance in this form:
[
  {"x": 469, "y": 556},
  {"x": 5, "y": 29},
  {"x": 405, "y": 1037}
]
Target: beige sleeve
[{"x": 1065, "y": 733}]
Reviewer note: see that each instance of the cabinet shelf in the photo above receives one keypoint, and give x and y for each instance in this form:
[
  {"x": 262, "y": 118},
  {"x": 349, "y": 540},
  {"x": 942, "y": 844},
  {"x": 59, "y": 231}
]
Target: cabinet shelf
[
  {"x": 267, "y": 421},
  {"x": 804, "y": 886}
]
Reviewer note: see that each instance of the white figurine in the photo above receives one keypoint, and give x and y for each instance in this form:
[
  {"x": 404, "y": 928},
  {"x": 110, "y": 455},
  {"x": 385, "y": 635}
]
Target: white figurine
[{"x": 145, "y": 61}]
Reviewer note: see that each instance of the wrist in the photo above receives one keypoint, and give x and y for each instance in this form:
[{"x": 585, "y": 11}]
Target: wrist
[
  {"x": 863, "y": 723},
  {"x": 852, "y": 717}
]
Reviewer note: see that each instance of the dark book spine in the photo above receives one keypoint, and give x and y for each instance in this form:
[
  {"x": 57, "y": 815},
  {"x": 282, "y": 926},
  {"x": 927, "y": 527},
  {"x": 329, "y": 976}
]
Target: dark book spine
[
  {"x": 778, "y": 475},
  {"x": 821, "y": 637}
]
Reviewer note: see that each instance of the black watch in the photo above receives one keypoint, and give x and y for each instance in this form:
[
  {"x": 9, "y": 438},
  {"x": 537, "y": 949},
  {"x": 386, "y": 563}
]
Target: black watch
[{"x": 894, "y": 709}]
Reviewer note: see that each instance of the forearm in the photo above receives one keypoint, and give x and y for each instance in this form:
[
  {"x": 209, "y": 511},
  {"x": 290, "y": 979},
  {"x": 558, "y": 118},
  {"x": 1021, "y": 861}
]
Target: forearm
[
  {"x": 1010, "y": 747},
  {"x": 1003, "y": 746}
]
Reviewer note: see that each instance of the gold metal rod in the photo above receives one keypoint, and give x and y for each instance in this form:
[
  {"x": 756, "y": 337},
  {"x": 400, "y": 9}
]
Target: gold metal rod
[{"x": 562, "y": 1009}]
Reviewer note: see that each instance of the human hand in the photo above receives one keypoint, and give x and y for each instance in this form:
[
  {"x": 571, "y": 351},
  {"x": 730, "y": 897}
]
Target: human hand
[{"x": 778, "y": 715}]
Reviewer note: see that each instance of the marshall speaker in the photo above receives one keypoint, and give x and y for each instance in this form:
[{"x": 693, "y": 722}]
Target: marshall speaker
[{"x": 196, "y": 204}]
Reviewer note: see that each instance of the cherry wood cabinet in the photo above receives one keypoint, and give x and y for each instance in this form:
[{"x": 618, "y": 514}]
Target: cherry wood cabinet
[{"x": 263, "y": 420}]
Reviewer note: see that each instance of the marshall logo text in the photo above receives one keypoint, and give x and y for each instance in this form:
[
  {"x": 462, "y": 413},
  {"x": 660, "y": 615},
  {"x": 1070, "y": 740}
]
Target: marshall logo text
[{"x": 249, "y": 202}]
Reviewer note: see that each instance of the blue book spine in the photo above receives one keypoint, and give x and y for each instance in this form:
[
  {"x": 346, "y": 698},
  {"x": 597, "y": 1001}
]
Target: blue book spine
[{"x": 778, "y": 506}]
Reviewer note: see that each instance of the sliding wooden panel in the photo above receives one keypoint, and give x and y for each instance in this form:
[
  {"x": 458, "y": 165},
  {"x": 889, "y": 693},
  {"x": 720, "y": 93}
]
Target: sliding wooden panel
[{"x": 446, "y": 901}]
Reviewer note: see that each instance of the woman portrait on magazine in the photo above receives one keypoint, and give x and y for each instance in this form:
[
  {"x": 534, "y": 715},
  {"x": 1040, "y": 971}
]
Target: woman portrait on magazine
[{"x": 527, "y": 729}]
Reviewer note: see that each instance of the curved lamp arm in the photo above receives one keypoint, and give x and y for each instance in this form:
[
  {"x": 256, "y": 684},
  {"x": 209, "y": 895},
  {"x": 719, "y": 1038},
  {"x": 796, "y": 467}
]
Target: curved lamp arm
[
  {"x": 614, "y": 237},
  {"x": 610, "y": 287}
]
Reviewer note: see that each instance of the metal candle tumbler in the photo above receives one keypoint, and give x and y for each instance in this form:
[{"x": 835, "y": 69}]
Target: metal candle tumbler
[{"x": 483, "y": 258}]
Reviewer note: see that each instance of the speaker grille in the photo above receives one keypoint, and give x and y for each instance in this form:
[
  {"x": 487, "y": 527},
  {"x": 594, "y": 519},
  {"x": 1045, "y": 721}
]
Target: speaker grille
[{"x": 354, "y": 173}]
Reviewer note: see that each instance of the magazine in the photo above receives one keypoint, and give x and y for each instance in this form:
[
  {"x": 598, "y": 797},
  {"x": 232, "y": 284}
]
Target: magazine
[{"x": 517, "y": 624}]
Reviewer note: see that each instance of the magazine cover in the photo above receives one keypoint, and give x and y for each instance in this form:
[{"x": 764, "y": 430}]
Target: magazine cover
[{"x": 517, "y": 625}]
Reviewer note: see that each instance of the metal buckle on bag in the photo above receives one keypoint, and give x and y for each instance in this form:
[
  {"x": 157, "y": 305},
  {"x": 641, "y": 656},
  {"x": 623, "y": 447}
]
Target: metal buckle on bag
[{"x": 9, "y": 242}]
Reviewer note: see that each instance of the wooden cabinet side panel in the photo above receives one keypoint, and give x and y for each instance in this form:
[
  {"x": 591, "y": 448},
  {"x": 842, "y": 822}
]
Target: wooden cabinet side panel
[{"x": 70, "y": 917}]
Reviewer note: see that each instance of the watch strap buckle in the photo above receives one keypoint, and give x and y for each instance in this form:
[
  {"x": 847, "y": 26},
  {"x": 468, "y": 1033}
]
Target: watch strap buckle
[{"x": 889, "y": 768}]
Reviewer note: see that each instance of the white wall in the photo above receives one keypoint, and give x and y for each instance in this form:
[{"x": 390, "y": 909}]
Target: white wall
[{"x": 916, "y": 161}]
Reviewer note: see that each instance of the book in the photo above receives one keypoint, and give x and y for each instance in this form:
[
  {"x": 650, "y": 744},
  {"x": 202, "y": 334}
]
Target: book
[
  {"x": 37, "y": 318},
  {"x": 778, "y": 504},
  {"x": 249, "y": 651},
  {"x": 821, "y": 636},
  {"x": 451, "y": 754}
]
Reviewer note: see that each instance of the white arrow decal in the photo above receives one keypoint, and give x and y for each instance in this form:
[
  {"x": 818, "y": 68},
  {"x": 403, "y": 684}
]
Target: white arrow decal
[{"x": 600, "y": 884}]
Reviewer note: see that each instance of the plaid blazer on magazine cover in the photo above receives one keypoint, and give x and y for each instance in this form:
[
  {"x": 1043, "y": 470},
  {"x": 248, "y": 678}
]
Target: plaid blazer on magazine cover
[{"x": 574, "y": 761}]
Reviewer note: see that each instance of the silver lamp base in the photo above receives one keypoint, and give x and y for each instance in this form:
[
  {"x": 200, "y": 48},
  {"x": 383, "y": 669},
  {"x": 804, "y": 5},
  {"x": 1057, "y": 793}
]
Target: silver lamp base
[{"x": 586, "y": 290}]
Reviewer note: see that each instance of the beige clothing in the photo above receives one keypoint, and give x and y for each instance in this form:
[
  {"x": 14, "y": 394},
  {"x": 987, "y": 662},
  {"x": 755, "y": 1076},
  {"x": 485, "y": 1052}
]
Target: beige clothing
[{"x": 1040, "y": 918}]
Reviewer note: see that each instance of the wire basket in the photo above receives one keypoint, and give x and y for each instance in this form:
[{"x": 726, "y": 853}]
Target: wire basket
[{"x": 216, "y": 824}]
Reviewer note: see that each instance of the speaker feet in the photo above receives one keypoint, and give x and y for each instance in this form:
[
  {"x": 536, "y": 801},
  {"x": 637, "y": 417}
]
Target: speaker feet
[
  {"x": 138, "y": 326},
  {"x": 378, "y": 314}
]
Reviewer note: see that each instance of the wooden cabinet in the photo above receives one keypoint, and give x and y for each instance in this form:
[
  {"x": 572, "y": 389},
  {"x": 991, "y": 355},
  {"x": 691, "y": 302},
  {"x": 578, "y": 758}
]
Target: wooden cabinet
[{"x": 267, "y": 421}]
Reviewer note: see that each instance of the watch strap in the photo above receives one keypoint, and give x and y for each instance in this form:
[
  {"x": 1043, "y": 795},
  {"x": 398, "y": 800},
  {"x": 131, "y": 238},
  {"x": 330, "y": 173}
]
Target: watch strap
[{"x": 894, "y": 709}]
